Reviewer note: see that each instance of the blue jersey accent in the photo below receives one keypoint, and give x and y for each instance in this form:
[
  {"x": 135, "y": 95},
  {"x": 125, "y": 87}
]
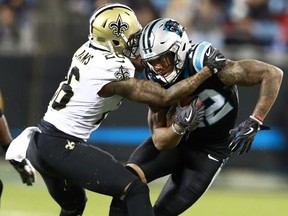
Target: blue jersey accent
[{"x": 273, "y": 139}]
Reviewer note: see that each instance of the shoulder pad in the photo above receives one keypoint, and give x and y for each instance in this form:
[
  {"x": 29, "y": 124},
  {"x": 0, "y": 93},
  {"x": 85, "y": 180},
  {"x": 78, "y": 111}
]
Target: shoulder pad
[{"x": 197, "y": 54}]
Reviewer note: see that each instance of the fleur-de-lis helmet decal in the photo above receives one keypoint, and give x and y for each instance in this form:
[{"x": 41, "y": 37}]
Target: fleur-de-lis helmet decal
[
  {"x": 111, "y": 26},
  {"x": 118, "y": 27}
]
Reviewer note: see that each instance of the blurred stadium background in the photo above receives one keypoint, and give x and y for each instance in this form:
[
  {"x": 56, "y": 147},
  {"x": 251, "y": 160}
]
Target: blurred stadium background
[{"x": 38, "y": 39}]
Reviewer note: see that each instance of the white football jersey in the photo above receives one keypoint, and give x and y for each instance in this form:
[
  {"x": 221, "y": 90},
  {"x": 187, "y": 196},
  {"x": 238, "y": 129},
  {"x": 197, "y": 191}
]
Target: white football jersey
[{"x": 76, "y": 108}]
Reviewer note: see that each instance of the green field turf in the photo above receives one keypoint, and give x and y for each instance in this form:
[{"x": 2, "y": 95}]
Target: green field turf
[{"x": 20, "y": 200}]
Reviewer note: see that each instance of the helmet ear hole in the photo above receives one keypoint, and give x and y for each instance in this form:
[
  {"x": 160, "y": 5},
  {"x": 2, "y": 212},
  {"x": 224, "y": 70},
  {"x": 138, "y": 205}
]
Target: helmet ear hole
[{"x": 116, "y": 43}]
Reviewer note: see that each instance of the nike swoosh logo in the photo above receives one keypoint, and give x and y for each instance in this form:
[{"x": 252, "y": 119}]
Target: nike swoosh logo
[
  {"x": 219, "y": 59},
  {"x": 212, "y": 158},
  {"x": 189, "y": 117},
  {"x": 250, "y": 130}
]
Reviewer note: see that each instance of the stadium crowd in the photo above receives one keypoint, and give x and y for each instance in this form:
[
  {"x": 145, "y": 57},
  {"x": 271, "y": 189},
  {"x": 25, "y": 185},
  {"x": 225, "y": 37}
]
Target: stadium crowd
[{"x": 25, "y": 24}]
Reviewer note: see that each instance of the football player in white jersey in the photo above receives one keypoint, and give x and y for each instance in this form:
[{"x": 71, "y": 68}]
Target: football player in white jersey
[
  {"x": 98, "y": 79},
  {"x": 194, "y": 158}
]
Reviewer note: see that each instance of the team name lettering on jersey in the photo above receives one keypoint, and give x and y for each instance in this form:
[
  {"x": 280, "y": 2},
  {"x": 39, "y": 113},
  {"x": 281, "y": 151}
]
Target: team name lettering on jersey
[{"x": 84, "y": 57}]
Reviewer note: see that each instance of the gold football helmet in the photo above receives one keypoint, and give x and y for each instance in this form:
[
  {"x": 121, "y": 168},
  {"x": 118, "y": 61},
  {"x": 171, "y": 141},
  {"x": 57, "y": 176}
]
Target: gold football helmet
[{"x": 111, "y": 26}]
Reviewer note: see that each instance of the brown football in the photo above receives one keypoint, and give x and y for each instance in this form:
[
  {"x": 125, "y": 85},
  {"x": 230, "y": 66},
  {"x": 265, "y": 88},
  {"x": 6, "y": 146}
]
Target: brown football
[{"x": 186, "y": 101}]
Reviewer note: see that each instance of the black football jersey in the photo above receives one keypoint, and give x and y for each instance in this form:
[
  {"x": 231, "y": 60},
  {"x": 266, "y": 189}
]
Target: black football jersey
[{"x": 220, "y": 101}]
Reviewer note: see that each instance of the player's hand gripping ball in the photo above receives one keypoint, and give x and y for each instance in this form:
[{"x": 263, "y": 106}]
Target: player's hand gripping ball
[{"x": 189, "y": 113}]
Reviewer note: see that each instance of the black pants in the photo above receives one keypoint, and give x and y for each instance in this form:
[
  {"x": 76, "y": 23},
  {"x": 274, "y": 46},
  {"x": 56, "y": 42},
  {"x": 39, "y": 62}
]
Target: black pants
[
  {"x": 187, "y": 184},
  {"x": 68, "y": 167},
  {"x": 192, "y": 172}
]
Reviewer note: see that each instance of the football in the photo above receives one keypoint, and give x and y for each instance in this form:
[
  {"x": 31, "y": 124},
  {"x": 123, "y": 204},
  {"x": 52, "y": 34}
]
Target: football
[{"x": 186, "y": 101}]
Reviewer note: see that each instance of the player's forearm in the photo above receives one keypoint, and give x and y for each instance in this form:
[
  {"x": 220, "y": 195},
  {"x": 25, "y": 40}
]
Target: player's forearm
[
  {"x": 152, "y": 93},
  {"x": 269, "y": 90},
  {"x": 5, "y": 136},
  {"x": 249, "y": 72},
  {"x": 187, "y": 86},
  {"x": 165, "y": 138}
]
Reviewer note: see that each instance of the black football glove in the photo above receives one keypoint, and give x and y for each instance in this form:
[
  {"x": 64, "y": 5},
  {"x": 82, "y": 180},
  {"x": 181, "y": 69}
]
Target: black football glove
[
  {"x": 190, "y": 116},
  {"x": 26, "y": 171},
  {"x": 216, "y": 60},
  {"x": 244, "y": 134}
]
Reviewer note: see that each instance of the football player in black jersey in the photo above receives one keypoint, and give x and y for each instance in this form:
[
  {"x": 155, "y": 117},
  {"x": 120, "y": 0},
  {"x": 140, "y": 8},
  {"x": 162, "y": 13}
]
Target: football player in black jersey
[
  {"x": 192, "y": 156},
  {"x": 24, "y": 168}
]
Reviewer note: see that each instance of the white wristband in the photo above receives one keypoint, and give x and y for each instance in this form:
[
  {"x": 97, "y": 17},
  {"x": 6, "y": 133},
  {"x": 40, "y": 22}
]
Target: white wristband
[
  {"x": 255, "y": 119},
  {"x": 180, "y": 133}
]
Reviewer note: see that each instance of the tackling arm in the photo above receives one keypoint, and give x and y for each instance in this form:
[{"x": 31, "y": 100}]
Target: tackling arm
[{"x": 149, "y": 92}]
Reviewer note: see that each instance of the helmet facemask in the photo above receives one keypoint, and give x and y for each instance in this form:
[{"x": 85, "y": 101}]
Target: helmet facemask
[
  {"x": 162, "y": 66},
  {"x": 132, "y": 46}
]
